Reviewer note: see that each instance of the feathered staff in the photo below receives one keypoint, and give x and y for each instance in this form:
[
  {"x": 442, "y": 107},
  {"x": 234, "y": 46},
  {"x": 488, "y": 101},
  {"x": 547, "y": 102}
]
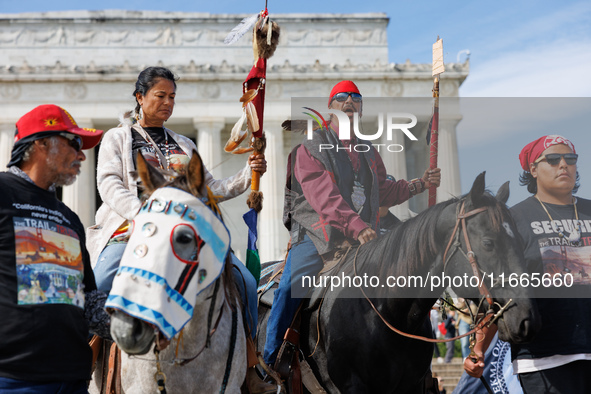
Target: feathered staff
[
  {"x": 264, "y": 42},
  {"x": 433, "y": 133}
]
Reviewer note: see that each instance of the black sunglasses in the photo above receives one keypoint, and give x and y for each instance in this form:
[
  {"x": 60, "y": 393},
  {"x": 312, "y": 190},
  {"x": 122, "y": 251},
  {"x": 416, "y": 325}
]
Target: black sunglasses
[
  {"x": 73, "y": 140},
  {"x": 554, "y": 158},
  {"x": 343, "y": 96}
]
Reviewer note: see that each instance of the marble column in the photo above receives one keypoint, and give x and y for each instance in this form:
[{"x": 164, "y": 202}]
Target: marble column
[
  {"x": 273, "y": 237},
  {"x": 448, "y": 160},
  {"x": 80, "y": 196},
  {"x": 395, "y": 163},
  {"x": 209, "y": 143},
  {"x": 6, "y": 143}
]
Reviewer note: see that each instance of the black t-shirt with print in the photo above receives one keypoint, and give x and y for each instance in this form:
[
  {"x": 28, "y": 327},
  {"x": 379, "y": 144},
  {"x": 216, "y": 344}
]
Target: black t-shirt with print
[
  {"x": 177, "y": 157},
  {"x": 44, "y": 273},
  {"x": 566, "y": 322}
]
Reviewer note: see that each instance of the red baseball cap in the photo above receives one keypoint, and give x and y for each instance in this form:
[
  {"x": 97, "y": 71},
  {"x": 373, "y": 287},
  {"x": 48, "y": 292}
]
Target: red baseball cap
[
  {"x": 49, "y": 117},
  {"x": 343, "y": 87}
]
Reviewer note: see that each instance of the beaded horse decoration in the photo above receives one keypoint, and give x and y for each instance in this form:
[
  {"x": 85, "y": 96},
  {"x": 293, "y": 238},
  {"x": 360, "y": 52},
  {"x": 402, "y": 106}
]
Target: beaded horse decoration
[
  {"x": 175, "y": 310},
  {"x": 165, "y": 294}
]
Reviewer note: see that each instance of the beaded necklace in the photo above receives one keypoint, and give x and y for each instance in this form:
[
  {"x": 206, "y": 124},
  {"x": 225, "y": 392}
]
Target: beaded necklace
[
  {"x": 167, "y": 149},
  {"x": 157, "y": 150},
  {"x": 575, "y": 235}
]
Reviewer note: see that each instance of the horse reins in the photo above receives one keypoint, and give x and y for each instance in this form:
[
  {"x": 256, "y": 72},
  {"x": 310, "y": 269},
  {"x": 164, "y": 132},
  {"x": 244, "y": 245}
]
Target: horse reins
[
  {"x": 489, "y": 317},
  {"x": 160, "y": 377}
]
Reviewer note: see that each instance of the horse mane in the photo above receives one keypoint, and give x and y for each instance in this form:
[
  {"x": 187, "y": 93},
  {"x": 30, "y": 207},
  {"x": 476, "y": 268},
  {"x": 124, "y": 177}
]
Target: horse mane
[
  {"x": 401, "y": 250},
  {"x": 412, "y": 244}
]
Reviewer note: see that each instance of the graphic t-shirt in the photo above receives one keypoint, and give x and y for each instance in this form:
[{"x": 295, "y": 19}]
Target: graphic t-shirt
[
  {"x": 49, "y": 264},
  {"x": 177, "y": 158},
  {"x": 548, "y": 247},
  {"x": 566, "y": 322},
  {"x": 44, "y": 274}
]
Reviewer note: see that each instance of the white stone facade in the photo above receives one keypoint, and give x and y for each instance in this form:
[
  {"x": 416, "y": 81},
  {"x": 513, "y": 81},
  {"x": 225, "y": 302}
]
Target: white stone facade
[{"x": 88, "y": 61}]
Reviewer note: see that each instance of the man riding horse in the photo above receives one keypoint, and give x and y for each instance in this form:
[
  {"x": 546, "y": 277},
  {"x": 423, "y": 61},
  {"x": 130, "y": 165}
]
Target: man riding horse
[{"x": 331, "y": 197}]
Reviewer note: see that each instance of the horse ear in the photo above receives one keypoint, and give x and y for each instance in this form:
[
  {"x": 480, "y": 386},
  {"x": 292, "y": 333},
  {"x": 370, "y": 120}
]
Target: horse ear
[
  {"x": 477, "y": 190},
  {"x": 195, "y": 174},
  {"x": 151, "y": 178},
  {"x": 503, "y": 193}
]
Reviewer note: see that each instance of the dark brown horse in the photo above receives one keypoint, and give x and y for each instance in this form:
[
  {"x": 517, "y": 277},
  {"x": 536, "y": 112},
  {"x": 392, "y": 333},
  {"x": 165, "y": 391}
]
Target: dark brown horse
[{"x": 349, "y": 347}]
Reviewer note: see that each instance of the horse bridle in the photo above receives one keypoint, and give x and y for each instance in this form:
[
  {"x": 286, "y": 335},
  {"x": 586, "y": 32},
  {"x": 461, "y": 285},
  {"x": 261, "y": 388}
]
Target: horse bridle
[
  {"x": 160, "y": 376},
  {"x": 490, "y": 316},
  {"x": 470, "y": 255}
]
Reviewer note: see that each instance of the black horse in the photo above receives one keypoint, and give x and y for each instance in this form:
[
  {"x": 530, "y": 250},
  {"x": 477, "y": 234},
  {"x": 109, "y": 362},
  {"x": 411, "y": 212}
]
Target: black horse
[{"x": 351, "y": 350}]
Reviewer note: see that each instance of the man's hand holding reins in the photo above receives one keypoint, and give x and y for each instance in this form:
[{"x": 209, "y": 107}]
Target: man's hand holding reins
[
  {"x": 366, "y": 235},
  {"x": 474, "y": 365}
]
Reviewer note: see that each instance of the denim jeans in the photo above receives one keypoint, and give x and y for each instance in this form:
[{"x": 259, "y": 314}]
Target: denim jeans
[
  {"x": 107, "y": 266},
  {"x": 303, "y": 259},
  {"x": 463, "y": 328},
  {"x": 450, "y": 347},
  {"x": 248, "y": 293},
  {"x": 14, "y": 386}
]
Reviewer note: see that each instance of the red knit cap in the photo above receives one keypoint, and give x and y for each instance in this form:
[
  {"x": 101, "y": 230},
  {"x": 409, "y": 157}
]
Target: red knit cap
[
  {"x": 343, "y": 87},
  {"x": 534, "y": 149}
]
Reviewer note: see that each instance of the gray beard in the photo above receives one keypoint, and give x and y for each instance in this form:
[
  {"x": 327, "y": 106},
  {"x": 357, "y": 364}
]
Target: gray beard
[
  {"x": 60, "y": 179},
  {"x": 65, "y": 180}
]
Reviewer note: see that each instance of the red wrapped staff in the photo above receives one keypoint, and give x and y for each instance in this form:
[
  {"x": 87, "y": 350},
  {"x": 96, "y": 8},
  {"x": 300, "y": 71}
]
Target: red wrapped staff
[
  {"x": 265, "y": 40},
  {"x": 433, "y": 136}
]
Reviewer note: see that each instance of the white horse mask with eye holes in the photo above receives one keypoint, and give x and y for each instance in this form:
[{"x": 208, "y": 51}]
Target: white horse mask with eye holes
[{"x": 177, "y": 248}]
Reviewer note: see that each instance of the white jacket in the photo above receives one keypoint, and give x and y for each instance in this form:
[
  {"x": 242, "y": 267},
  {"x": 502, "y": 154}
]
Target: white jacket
[{"x": 118, "y": 187}]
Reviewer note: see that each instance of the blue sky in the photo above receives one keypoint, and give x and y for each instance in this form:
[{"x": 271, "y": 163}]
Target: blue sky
[{"x": 517, "y": 49}]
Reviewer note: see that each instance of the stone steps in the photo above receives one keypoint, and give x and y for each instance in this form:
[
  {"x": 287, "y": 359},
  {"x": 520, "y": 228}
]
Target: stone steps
[{"x": 450, "y": 373}]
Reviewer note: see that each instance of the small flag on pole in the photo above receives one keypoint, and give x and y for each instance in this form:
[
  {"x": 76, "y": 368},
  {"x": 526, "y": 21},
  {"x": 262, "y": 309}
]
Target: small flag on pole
[{"x": 253, "y": 261}]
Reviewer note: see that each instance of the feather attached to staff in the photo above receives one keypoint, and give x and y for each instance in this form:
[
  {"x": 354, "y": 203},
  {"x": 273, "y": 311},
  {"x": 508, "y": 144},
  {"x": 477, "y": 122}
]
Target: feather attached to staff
[
  {"x": 241, "y": 29},
  {"x": 265, "y": 40}
]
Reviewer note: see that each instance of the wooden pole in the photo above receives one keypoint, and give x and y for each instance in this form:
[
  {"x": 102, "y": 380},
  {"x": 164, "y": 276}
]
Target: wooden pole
[{"x": 438, "y": 68}]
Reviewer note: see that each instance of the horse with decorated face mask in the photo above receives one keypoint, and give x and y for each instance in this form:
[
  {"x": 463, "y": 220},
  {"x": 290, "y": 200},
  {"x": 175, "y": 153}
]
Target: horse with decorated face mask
[{"x": 175, "y": 311}]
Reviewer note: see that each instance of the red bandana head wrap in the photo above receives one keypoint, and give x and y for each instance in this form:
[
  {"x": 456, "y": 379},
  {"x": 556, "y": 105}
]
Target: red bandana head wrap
[
  {"x": 534, "y": 149},
  {"x": 343, "y": 87}
]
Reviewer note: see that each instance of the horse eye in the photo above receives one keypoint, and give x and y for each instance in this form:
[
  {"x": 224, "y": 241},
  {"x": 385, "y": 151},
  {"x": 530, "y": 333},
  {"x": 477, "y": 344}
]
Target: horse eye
[
  {"x": 488, "y": 244},
  {"x": 184, "y": 238}
]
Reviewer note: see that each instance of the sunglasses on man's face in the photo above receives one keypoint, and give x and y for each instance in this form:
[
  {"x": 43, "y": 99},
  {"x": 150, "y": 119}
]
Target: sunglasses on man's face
[
  {"x": 73, "y": 140},
  {"x": 343, "y": 96},
  {"x": 554, "y": 158}
]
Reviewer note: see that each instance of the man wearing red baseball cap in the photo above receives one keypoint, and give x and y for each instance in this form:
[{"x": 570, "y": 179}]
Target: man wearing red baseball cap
[
  {"x": 48, "y": 296},
  {"x": 332, "y": 198},
  {"x": 46, "y": 121}
]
